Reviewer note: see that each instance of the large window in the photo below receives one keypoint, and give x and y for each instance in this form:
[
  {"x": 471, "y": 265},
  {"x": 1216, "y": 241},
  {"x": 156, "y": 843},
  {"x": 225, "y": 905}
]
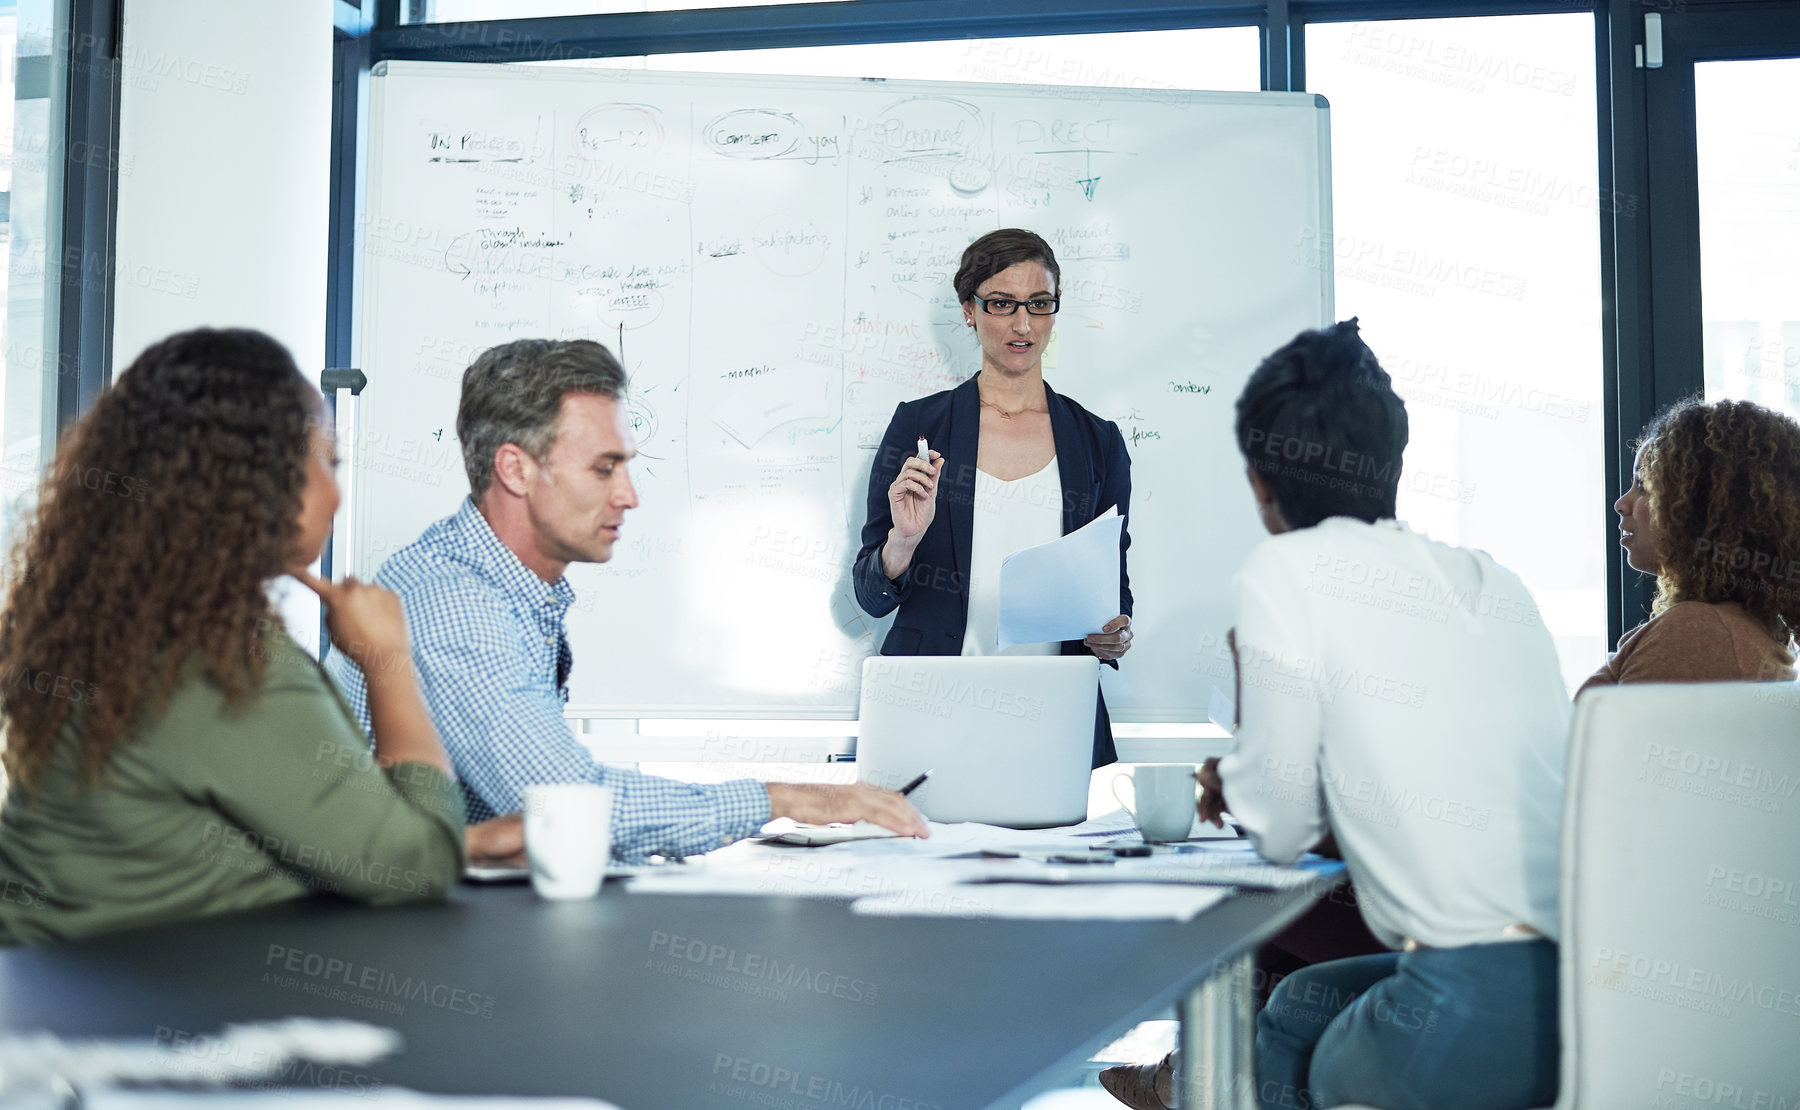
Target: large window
[
  {"x": 1467, "y": 205},
  {"x": 33, "y": 56},
  {"x": 1747, "y": 123}
]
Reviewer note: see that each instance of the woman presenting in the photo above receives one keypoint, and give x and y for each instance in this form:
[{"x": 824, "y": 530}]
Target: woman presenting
[{"x": 1020, "y": 465}]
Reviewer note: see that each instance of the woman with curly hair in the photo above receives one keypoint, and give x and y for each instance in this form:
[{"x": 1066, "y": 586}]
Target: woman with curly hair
[
  {"x": 171, "y": 752},
  {"x": 1714, "y": 512}
]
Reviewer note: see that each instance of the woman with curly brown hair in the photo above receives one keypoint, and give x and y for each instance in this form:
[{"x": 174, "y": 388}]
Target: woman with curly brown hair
[
  {"x": 1714, "y": 512},
  {"x": 171, "y": 752}
]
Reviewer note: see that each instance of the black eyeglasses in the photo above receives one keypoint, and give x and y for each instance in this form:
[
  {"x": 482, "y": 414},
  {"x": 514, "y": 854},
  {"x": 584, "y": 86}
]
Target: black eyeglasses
[{"x": 1006, "y": 306}]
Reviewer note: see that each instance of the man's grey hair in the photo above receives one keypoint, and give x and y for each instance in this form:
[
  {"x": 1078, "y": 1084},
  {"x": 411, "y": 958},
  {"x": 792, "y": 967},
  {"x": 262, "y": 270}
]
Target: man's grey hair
[{"x": 513, "y": 393}]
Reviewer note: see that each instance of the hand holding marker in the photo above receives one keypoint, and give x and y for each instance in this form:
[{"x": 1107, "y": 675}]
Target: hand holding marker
[{"x": 912, "y": 503}]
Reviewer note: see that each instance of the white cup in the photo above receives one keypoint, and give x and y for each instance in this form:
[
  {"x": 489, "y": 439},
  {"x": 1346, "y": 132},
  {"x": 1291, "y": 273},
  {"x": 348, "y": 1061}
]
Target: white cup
[
  {"x": 1163, "y": 798},
  {"x": 568, "y": 837}
]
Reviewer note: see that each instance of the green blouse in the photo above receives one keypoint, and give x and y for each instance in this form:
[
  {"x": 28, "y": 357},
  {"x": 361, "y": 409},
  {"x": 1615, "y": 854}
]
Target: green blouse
[{"x": 213, "y": 808}]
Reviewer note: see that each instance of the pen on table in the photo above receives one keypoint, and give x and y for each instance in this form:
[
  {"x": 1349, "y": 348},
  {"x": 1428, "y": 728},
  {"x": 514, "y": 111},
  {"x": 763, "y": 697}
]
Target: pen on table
[
  {"x": 924, "y": 451},
  {"x": 915, "y": 784}
]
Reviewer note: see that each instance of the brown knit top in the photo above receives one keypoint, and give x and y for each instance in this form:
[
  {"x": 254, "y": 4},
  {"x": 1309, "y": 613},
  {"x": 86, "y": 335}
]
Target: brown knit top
[{"x": 1697, "y": 641}]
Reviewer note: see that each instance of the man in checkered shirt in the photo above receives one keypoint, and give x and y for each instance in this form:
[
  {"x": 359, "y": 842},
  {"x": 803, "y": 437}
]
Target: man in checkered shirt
[{"x": 546, "y": 441}]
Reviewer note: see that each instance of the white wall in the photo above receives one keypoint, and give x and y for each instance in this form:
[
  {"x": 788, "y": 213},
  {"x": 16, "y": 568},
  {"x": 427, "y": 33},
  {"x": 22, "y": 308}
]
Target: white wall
[
  {"x": 225, "y": 126},
  {"x": 225, "y": 156}
]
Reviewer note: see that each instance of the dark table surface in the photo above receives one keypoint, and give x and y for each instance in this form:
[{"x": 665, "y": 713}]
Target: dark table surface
[{"x": 654, "y": 1001}]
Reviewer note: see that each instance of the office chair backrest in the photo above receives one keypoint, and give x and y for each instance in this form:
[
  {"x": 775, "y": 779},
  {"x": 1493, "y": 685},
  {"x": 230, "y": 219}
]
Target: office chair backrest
[{"x": 1680, "y": 970}]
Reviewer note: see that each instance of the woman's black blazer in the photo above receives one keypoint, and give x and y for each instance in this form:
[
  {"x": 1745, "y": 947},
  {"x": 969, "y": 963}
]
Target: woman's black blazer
[{"x": 933, "y": 595}]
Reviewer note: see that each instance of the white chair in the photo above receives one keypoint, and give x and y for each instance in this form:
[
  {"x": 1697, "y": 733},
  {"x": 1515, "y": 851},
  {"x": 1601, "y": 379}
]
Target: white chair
[
  {"x": 1681, "y": 897},
  {"x": 1680, "y": 954}
]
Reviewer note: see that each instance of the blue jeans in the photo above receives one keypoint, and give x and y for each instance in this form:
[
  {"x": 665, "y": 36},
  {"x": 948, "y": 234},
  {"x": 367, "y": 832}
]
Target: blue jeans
[{"x": 1472, "y": 1028}]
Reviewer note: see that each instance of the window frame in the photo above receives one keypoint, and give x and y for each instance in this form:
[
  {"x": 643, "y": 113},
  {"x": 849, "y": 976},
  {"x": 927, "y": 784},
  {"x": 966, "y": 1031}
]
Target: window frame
[{"x": 84, "y": 71}]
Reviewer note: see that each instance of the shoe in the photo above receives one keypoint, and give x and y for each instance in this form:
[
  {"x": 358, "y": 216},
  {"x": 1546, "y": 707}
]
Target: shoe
[{"x": 1142, "y": 1086}]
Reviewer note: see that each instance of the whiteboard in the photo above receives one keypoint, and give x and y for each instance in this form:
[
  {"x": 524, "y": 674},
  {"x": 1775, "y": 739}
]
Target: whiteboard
[{"x": 771, "y": 258}]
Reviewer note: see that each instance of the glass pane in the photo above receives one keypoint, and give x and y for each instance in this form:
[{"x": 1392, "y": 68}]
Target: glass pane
[
  {"x": 1220, "y": 59},
  {"x": 462, "y": 11},
  {"x": 1467, "y": 206},
  {"x": 32, "y": 77},
  {"x": 1747, "y": 115}
]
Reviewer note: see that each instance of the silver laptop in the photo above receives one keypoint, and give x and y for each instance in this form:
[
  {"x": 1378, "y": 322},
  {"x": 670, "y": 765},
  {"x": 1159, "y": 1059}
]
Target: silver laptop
[{"x": 1008, "y": 740}]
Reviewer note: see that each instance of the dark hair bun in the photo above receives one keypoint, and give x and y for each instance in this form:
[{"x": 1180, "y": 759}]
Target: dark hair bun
[
  {"x": 1335, "y": 356},
  {"x": 1320, "y": 423}
]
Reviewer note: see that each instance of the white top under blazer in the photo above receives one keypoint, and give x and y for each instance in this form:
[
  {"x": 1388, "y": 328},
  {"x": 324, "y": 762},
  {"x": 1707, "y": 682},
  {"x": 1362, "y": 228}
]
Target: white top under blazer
[{"x": 1009, "y": 517}]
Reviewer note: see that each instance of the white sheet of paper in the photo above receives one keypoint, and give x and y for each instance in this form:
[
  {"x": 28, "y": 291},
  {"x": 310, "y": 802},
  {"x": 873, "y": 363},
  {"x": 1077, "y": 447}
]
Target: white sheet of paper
[
  {"x": 1025, "y": 901},
  {"x": 802, "y": 873},
  {"x": 1065, "y": 589},
  {"x": 1204, "y": 831},
  {"x": 1222, "y": 708},
  {"x": 475, "y": 873},
  {"x": 815, "y": 836},
  {"x": 864, "y": 838},
  {"x": 234, "y": 1054},
  {"x": 285, "y": 1098},
  {"x": 1203, "y": 868}
]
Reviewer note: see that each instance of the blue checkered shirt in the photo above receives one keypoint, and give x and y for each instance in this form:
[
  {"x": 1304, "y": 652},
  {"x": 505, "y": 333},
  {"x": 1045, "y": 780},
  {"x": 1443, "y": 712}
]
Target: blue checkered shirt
[{"x": 487, "y": 636}]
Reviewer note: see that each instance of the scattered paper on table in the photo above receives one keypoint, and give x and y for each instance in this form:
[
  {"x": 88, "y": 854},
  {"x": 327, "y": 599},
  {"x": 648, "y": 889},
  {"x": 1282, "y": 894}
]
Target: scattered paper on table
[
  {"x": 1197, "y": 867},
  {"x": 960, "y": 838},
  {"x": 300, "y": 1098},
  {"x": 946, "y": 875},
  {"x": 817, "y": 836},
  {"x": 1204, "y": 830},
  {"x": 1027, "y": 901},
  {"x": 806, "y": 873},
  {"x": 235, "y": 1054},
  {"x": 1065, "y": 589},
  {"x": 475, "y": 873}
]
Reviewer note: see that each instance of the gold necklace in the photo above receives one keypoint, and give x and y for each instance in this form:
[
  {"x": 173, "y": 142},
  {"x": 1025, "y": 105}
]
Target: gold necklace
[{"x": 1004, "y": 415}]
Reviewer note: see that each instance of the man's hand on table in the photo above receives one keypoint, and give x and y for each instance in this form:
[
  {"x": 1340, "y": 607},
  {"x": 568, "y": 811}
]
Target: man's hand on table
[
  {"x": 1212, "y": 794},
  {"x": 496, "y": 843},
  {"x": 824, "y": 803}
]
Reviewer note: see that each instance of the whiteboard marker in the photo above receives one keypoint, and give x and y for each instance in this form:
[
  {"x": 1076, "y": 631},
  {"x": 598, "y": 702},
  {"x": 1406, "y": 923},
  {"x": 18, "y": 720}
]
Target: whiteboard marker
[{"x": 924, "y": 452}]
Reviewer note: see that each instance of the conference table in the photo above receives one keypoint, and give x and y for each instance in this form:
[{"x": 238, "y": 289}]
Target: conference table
[{"x": 659, "y": 1001}]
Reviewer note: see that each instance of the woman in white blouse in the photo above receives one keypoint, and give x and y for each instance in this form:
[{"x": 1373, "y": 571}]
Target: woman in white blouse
[
  {"x": 1403, "y": 696},
  {"x": 1018, "y": 465}
]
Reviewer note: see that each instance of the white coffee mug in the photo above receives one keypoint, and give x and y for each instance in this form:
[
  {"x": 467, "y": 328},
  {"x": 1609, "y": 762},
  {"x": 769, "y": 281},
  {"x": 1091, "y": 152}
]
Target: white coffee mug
[
  {"x": 568, "y": 837},
  {"x": 1163, "y": 798}
]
